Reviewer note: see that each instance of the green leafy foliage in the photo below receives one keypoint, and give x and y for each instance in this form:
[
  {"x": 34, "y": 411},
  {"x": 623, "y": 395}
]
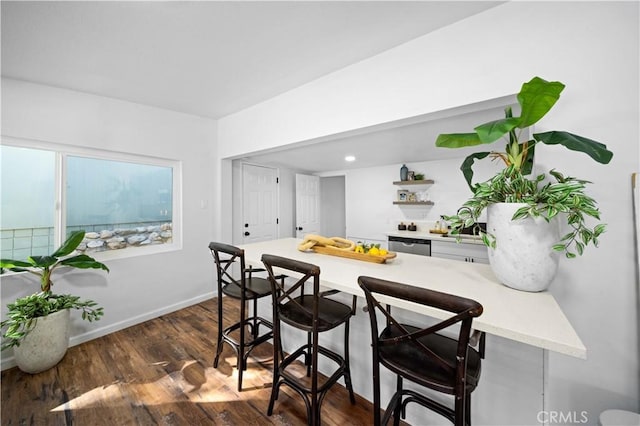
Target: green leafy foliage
[
  {"x": 536, "y": 98},
  {"x": 564, "y": 196},
  {"x": 545, "y": 199},
  {"x": 23, "y": 312},
  {"x": 43, "y": 266},
  {"x": 366, "y": 246}
]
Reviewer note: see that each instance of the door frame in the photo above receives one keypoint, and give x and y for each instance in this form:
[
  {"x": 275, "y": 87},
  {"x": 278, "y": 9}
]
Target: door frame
[{"x": 237, "y": 219}]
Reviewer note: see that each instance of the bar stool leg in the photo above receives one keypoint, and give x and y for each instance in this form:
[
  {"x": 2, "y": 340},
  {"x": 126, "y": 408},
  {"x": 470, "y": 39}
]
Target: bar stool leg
[
  {"x": 220, "y": 332},
  {"x": 307, "y": 355},
  {"x": 398, "y": 408},
  {"x": 278, "y": 354},
  {"x": 241, "y": 364},
  {"x": 347, "y": 371},
  {"x": 254, "y": 328},
  {"x": 376, "y": 392},
  {"x": 315, "y": 405}
]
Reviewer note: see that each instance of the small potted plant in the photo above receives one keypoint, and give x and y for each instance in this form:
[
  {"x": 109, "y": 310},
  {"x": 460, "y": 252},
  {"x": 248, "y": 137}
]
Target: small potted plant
[
  {"x": 37, "y": 326},
  {"x": 531, "y": 204}
]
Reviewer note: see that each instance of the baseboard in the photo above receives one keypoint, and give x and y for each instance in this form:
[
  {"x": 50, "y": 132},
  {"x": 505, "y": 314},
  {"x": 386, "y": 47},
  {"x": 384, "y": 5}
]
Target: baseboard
[{"x": 9, "y": 362}]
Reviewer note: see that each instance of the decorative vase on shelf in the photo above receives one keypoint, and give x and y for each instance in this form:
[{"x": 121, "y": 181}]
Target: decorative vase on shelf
[{"x": 404, "y": 172}]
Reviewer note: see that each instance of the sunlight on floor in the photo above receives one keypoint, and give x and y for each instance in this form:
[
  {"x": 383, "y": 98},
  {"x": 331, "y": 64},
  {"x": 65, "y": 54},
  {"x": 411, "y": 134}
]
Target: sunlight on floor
[{"x": 191, "y": 383}]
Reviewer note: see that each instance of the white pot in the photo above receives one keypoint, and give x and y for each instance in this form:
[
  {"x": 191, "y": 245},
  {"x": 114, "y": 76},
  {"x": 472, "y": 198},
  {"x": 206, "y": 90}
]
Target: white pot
[
  {"x": 524, "y": 258},
  {"x": 46, "y": 344}
]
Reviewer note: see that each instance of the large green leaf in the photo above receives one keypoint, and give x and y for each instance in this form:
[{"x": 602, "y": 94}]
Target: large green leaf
[
  {"x": 70, "y": 244},
  {"x": 593, "y": 149},
  {"x": 83, "y": 261},
  {"x": 467, "y": 164},
  {"x": 41, "y": 261},
  {"x": 536, "y": 98},
  {"x": 494, "y": 130},
  {"x": 10, "y": 264},
  {"x": 457, "y": 140}
]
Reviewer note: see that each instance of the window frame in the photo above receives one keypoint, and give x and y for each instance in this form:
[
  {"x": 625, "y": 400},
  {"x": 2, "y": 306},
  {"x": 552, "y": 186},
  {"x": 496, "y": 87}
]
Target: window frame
[{"x": 62, "y": 151}]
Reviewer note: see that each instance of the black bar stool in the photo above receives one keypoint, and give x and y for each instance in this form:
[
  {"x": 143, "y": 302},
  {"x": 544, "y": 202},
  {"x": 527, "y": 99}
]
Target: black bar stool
[
  {"x": 314, "y": 313},
  {"x": 423, "y": 356},
  {"x": 245, "y": 288}
]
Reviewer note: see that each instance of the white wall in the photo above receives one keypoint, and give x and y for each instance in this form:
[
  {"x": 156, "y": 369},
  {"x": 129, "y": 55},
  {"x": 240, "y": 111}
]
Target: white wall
[
  {"x": 370, "y": 195},
  {"x": 590, "y": 46},
  {"x": 141, "y": 287}
]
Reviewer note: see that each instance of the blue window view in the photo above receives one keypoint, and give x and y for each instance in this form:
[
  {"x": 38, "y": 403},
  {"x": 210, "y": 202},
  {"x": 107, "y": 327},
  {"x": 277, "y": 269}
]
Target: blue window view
[
  {"x": 27, "y": 201},
  {"x": 119, "y": 204}
]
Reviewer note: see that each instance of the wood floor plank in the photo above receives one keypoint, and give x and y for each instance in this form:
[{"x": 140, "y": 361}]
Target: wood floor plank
[{"x": 161, "y": 373}]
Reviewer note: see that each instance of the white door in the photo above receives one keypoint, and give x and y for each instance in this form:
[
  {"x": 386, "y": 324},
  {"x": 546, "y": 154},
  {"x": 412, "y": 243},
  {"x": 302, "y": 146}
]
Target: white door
[
  {"x": 259, "y": 203},
  {"x": 307, "y": 205}
]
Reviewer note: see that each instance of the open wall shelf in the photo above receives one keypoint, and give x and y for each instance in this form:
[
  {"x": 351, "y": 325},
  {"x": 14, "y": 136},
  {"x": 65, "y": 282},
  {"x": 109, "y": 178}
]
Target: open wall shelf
[
  {"x": 413, "y": 203},
  {"x": 414, "y": 182}
]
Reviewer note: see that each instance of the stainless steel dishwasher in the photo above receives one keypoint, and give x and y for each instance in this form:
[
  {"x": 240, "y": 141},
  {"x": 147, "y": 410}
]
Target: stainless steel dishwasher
[{"x": 410, "y": 245}]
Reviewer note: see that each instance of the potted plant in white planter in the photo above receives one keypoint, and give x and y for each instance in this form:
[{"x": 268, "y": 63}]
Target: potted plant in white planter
[
  {"x": 522, "y": 227},
  {"x": 37, "y": 326}
]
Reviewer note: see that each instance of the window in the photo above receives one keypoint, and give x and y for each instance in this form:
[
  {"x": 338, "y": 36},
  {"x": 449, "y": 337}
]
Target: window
[
  {"x": 119, "y": 204},
  {"x": 27, "y": 206},
  {"x": 125, "y": 204}
]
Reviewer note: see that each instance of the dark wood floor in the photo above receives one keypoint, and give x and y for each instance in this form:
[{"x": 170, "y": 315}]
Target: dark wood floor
[{"x": 160, "y": 373}]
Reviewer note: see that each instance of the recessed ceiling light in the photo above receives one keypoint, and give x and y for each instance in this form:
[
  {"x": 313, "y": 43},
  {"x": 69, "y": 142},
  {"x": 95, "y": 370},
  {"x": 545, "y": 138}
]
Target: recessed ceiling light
[{"x": 349, "y": 158}]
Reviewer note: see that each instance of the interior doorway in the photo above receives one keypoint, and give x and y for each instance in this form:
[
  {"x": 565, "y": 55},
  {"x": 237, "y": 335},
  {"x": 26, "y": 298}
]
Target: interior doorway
[
  {"x": 320, "y": 206},
  {"x": 259, "y": 203},
  {"x": 307, "y": 205}
]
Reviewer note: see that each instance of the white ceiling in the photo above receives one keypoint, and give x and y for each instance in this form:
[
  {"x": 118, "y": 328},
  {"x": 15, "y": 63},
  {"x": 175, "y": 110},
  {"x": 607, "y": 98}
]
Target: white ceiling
[{"x": 207, "y": 58}]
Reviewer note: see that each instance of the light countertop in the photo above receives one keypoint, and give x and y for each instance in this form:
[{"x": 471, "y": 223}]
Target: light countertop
[{"x": 531, "y": 318}]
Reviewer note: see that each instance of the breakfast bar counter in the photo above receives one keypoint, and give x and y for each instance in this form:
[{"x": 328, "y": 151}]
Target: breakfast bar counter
[
  {"x": 523, "y": 329},
  {"x": 531, "y": 318}
]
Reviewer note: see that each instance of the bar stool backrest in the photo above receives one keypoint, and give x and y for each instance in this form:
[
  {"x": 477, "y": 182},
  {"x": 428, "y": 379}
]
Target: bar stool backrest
[
  {"x": 225, "y": 256},
  {"x": 464, "y": 311},
  {"x": 398, "y": 339},
  {"x": 309, "y": 274}
]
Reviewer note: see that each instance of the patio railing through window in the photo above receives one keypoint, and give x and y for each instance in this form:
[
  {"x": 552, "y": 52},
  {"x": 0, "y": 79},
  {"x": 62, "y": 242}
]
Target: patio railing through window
[{"x": 24, "y": 242}]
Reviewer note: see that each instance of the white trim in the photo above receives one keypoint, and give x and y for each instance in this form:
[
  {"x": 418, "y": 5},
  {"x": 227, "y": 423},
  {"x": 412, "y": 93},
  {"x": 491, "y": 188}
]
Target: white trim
[
  {"x": 60, "y": 220},
  {"x": 62, "y": 151},
  {"x": 85, "y": 151}
]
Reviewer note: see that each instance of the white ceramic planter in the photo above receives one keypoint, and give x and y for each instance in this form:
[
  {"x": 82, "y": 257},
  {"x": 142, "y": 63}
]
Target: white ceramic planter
[
  {"x": 523, "y": 258},
  {"x": 46, "y": 344}
]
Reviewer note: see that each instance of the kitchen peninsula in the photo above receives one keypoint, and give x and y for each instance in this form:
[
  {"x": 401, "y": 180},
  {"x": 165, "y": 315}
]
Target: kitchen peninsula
[
  {"x": 522, "y": 328},
  {"x": 531, "y": 318}
]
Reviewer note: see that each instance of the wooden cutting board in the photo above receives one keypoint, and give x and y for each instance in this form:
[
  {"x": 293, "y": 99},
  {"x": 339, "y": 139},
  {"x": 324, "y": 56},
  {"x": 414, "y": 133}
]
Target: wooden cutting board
[{"x": 353, "y": 255}]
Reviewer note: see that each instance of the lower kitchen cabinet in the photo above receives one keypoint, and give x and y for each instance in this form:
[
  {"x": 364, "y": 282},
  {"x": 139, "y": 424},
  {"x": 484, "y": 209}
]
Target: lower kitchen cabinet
[{"x": 464, "y": 252}]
